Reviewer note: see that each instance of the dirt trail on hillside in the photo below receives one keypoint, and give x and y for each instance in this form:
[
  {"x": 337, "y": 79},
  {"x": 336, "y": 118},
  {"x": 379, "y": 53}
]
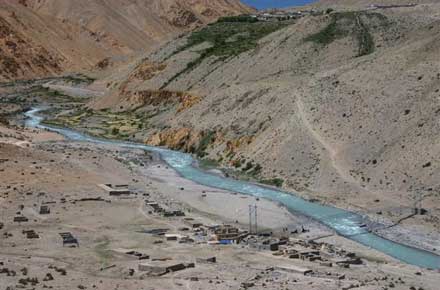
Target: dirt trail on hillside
[{"x": 332, "y": 152}]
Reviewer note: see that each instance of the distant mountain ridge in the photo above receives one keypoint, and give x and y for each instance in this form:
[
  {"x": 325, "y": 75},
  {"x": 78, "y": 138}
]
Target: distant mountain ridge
[
  {"x": 365, "y": 3},
  {"x": 268, "y": 4}
]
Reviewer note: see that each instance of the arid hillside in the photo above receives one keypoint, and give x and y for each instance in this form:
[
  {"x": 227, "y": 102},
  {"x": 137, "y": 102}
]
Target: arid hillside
[
  {"x": 341, "y": 107},
  {"x": 46, "y": 37}
]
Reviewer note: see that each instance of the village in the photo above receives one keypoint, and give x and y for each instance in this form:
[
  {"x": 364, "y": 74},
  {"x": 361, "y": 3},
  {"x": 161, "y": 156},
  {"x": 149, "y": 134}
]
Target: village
[
  {"x": 296, "y": 13},
  {"x": 159, "y": 226},
  {"x": 191, "y": 231},
  {"x": 281, "y": 15}
]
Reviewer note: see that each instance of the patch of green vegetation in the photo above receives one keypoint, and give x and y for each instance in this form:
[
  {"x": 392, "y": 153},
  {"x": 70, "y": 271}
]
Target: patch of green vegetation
[
  {"x": 239, "y": 18},
  {"x": 329, "y": 10},
  {"x": 327, "y": 35},
  {"x": 248, "y": 166},
  {"x": 208, "y": 163},
  {"x": 257, "y": 170},
  {"x": 54, "y": 122},
  {"x": 102, "y": 123},
  {"x": 231, "y": 39},
  {"x": 115, "y": 131},
  {"x": 278, "y": 182},
  {"x": 103, "y": 252},
  {"x": 365, "y": 40},
  {"x": 249, "y": 175},
  {"x": 237, "y": 163},
  {"x": 78, "y": 79},
  {"x": 207, "y": 139},
  {"x": 343, "y": 24},
  {"x": 227, "y": 39},
  {"x": 8, "y": 84}
]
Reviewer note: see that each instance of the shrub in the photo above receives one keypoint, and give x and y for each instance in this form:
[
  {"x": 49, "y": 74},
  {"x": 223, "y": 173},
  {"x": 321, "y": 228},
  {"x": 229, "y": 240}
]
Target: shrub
[
  {"x": 236, "y": 163},
  {"x": 278, "y": 182},
  {"x": 4, "y": 121},
  {"x": 115, "y": 131},
  {"x": 207, "y": 139},
  {"x": 240, "y": 18},
  {"x": 257, "y": 169},
  {"x": 327, "y": 35},
  {"x": 248, "y": 166},
  {"x": 329, "y": 10},
  {"x": 208, "y": 163},
  {"x": 343, "y": 24}
]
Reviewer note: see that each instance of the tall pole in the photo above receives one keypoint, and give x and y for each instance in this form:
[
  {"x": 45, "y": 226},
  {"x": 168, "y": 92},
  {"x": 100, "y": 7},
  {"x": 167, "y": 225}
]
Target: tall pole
[
  {"x": 256, "y": 223},
  {"x": 250, "y": 219}
]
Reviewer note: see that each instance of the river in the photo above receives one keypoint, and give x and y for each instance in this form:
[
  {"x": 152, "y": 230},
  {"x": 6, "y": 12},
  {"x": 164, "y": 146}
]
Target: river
[{"x": 345, "y": 223}]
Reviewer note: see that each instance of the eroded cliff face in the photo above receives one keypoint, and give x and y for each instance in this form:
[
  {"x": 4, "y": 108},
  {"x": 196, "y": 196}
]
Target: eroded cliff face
[
  {"x": 159, "y": 98},
  {"x": 184, "y": 139}
]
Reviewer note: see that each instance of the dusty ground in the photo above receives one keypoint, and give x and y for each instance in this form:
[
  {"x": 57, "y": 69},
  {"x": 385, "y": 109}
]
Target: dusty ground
[{"x": 40, "y": 167}]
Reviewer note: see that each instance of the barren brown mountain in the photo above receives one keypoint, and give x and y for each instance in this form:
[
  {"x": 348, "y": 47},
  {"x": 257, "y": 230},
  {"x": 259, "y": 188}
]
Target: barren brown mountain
[
  {"x": 340, "y": 107},
  {"x": 51, "y": 36}
]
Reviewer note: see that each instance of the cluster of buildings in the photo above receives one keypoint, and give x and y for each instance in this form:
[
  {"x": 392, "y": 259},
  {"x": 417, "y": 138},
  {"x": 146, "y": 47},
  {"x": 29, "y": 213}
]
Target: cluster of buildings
[
  {"x": 282, "y": 15},
  {"x": 326, "y": 255},
  {"x": 212, "y": 234},
  {"x": 278, "y": 15},
  {"x": 165, "y": 212},
  {"x": 319, "y": 252},
  {"x": 379, "y": 6}
]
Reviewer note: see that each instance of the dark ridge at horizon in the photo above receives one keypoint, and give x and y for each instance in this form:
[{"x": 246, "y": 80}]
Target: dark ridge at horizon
[{"x": 265, "y": 4}]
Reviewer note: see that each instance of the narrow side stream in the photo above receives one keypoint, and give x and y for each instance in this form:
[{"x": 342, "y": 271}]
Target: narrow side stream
[{"x": 345, "y": 223}]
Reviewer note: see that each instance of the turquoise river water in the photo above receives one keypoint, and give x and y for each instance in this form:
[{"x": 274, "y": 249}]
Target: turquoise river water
[{"x": 344, "y": 222}]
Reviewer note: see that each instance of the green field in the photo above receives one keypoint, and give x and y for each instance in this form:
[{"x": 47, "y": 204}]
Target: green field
[{"x": 356, "y": 24}]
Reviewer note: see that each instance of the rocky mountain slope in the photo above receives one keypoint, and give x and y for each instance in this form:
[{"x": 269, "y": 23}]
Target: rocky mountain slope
[
  {"x": 45, "y": 37},
  {"x": 341, "y": 107}
]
